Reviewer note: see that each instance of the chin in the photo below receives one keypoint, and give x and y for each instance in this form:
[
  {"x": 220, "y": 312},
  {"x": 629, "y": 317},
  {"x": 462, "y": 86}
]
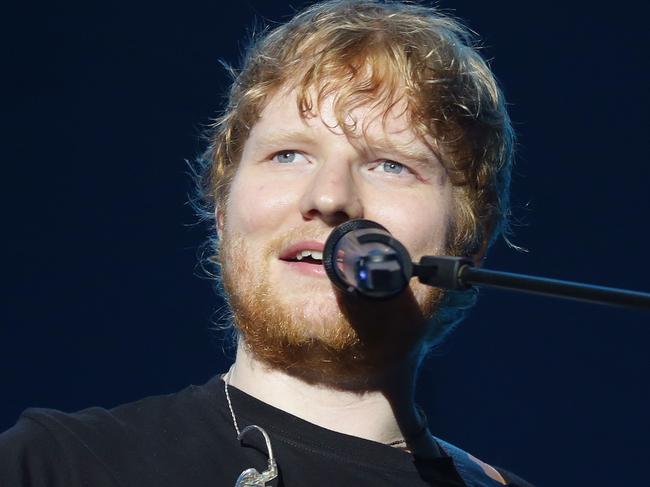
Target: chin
[{"x": 316, "y": 316}]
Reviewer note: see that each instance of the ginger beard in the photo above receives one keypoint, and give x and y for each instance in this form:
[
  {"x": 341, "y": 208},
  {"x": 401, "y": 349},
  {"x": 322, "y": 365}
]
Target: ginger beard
[{"x": 333, "y": 338}]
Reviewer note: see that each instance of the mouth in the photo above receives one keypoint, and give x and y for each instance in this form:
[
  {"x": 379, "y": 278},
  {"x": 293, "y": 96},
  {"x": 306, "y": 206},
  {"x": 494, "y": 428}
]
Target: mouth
[{"x": 305, "y": 256}]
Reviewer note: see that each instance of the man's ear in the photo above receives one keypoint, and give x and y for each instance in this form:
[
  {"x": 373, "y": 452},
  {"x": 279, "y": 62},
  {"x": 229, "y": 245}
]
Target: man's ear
[
  {"x": 218, "y": 218},
  {"x": 479, "y": 256}
]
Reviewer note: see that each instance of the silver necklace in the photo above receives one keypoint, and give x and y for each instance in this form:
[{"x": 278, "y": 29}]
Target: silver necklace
[{"x": 251, "y": 477}]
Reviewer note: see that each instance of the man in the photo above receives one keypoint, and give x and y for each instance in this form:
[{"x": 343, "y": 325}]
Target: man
[{"x": 351, "y": 110}]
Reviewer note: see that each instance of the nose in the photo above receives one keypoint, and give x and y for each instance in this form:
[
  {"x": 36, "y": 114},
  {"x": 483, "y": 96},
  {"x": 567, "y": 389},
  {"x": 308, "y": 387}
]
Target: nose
[{"x": 332, "y": 195}]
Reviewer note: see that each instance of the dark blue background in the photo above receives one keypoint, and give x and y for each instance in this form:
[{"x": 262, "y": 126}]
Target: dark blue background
[{"x": 102, "y": 302}]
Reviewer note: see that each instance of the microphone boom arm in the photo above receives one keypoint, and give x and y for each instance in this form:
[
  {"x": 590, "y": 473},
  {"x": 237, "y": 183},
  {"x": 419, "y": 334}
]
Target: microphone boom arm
[{"x": 460, "y": 273}]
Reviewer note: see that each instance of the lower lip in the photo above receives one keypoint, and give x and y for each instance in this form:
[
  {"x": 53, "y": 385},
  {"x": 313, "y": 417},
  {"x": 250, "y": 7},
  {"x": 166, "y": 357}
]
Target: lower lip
[{"x": 306, "y": 269}]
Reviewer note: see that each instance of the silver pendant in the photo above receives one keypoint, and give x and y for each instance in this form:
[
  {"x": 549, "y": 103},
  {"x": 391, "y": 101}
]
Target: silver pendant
[{"x": 251, "y": 477}]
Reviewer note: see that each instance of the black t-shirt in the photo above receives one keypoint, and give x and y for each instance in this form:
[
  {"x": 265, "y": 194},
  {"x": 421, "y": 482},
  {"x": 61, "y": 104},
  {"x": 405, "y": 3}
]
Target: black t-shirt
[{"x": 188, "y": 439}]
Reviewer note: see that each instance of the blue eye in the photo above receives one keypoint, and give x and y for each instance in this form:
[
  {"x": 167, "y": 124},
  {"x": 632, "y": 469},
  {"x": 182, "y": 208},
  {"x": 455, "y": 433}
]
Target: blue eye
[
  {"x": 392, "y": 167},
  {"x": 285, "y": 157}
]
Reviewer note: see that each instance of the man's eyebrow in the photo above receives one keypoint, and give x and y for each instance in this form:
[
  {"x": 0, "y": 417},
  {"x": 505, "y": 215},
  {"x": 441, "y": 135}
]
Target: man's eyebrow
[{"x": 281, "y": 136}]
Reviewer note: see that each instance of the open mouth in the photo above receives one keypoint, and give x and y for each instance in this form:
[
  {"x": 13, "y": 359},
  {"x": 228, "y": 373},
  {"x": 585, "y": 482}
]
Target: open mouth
[{"x": 307, "y": 257}]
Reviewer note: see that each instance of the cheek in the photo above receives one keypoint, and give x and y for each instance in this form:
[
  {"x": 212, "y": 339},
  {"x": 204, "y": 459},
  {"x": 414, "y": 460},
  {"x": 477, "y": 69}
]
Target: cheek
[
  {"x": 421, "y": 224},
  {"x": 256, "y": 206}
]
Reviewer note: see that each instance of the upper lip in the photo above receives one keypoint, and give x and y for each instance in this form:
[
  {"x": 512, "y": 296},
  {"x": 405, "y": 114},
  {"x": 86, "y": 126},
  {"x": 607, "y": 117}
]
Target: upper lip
[{"x": 290, "y": 252}]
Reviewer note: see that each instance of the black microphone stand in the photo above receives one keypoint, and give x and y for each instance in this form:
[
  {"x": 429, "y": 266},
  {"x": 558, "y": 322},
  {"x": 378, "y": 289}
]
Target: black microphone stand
[{"x": 460, "y": 273}]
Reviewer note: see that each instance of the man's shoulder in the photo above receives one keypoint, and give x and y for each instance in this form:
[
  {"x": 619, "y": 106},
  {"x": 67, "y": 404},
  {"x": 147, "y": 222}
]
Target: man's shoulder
[
  {"x": 156, "y": 411},
  {"x": 98, "y": 442},
  {"x": 121, "y": 419},
  {"x": 50, "y": 447}
]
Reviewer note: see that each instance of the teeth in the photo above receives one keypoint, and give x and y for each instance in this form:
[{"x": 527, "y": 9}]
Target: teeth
[{"x": 315, "y": 254}]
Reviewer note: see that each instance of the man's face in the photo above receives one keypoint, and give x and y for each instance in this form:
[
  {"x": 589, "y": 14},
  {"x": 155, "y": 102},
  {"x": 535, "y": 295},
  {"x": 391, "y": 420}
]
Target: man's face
[{"x": 298, "y": 178}]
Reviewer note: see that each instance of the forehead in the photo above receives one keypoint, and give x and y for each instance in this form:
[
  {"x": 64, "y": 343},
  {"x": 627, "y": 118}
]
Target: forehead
[{"x": 366, "y": 125}]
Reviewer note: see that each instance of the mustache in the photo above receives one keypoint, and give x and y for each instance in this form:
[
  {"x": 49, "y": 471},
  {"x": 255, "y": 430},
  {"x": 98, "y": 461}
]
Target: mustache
[
  {"x": 277, "y": 244},
  {"x": 233, "y": 245}
]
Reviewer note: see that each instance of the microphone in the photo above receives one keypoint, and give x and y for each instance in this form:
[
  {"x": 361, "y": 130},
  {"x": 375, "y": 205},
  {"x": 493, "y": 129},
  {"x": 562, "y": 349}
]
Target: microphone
[{"x": 362, "y": 258}]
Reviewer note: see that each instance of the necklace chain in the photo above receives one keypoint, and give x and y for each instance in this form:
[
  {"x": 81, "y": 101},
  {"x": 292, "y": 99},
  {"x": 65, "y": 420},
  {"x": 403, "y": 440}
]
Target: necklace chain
[{"x": 232, "y": 411}]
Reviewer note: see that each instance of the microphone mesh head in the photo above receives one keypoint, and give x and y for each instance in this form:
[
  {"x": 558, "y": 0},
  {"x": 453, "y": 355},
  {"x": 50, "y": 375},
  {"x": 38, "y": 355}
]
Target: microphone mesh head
[{"x": 361, "y": 257}]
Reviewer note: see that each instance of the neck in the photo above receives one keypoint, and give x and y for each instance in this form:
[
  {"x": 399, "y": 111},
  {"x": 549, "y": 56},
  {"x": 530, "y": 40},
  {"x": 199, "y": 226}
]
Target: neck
[{"x": 384, "y": 414}]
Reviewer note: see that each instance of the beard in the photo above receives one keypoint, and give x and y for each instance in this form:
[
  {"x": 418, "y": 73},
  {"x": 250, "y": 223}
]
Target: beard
[{"x": 311, "y": 329}]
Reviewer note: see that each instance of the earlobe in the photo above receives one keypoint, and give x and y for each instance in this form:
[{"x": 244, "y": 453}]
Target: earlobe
[
  {"x": 480, "y": 256},
  {"x": 218, "y": 218}
]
